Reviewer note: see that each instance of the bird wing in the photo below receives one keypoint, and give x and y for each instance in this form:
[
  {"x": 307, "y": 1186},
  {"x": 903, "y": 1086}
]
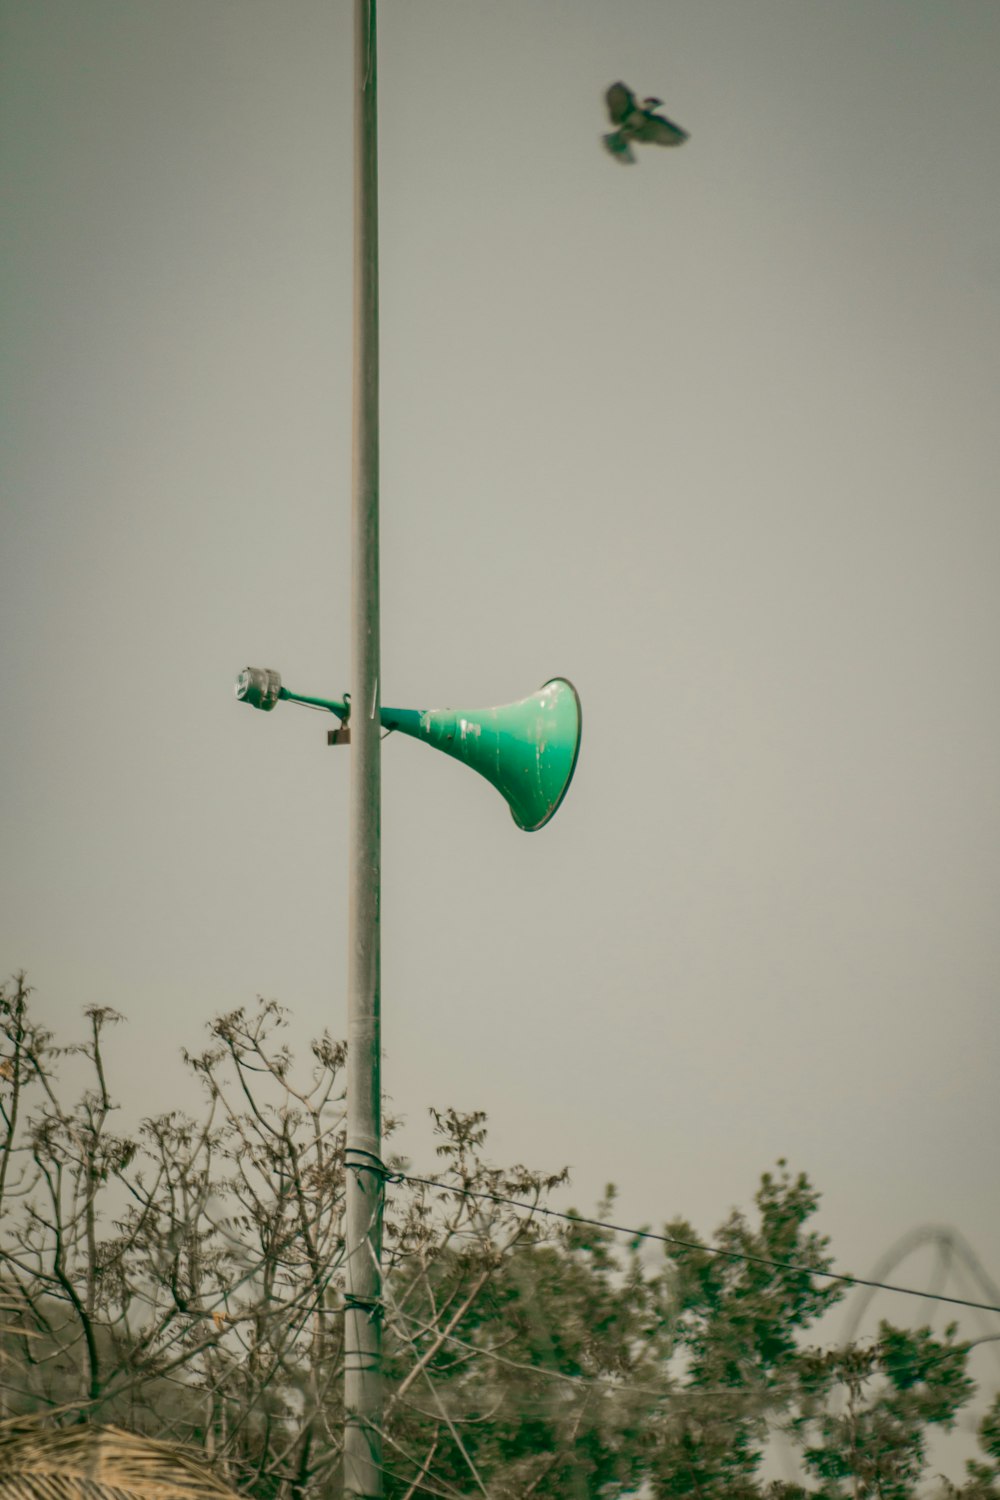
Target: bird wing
[
  {"x": 660, "y": 131},
  {"x": 620, "y": 101},
  {"x": 618, "y": 146}
]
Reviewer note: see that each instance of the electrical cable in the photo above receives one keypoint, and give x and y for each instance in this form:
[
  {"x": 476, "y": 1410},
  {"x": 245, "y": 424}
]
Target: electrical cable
[
  {"x": 609, "y": 1382},
  {"x": 441, "y": 1407},
  {"x": 669, "y": 1239}
]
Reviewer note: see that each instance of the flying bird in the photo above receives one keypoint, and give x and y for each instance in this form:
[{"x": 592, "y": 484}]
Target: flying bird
[{"x": 637, "y": 122}]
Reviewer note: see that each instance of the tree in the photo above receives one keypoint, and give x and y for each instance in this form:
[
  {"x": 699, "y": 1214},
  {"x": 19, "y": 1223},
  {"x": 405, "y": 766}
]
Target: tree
[
  {"x": 983, "y": 1482},
  {"x": 186, "y": 1281}
]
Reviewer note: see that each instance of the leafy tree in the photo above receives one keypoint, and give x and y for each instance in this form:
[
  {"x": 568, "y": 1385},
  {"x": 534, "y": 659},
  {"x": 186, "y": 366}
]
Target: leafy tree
[
  {"x": 609, "y": 1374},
  {"x": 983, "y": 1482},
  {"x": 187, "y": 1281}
]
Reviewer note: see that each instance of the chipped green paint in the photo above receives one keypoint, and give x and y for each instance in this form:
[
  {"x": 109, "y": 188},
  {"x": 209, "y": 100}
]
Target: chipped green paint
[{"x": 527, "y": 750}]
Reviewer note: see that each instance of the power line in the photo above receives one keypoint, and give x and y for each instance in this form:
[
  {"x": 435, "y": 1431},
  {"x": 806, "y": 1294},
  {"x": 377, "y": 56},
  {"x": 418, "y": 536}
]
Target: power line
[
  {"x": 607, "y": 1382},
  {"x": 669, "y": 1239}
]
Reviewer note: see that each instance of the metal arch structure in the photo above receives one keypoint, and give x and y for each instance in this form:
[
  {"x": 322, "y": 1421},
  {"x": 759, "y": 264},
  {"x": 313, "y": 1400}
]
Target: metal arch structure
[{"x": 954, "y": 1256}]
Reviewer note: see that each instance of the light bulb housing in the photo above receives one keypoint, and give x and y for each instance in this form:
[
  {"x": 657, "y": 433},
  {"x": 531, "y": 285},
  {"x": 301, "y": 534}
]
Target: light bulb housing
[{"x": 259, "y": 686}]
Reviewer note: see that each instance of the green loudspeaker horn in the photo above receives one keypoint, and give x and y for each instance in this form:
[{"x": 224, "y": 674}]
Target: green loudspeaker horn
[{"x": 528, "y": 750}]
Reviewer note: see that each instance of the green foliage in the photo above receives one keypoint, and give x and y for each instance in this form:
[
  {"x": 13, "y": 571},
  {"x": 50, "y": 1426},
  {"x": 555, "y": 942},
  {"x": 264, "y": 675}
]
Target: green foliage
[
  {"x": 873, "y": 1440},
  {"x": 983, "y": 1481},
  {"x": 186, "y": 1280}
]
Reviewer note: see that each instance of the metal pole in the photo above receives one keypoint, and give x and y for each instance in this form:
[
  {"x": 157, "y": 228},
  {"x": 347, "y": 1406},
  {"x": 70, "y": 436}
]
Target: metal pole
[{"x": 364, "y": 1189}]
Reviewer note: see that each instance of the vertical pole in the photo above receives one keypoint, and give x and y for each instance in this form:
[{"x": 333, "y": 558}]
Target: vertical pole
[{"x": 364, "y": 1187}]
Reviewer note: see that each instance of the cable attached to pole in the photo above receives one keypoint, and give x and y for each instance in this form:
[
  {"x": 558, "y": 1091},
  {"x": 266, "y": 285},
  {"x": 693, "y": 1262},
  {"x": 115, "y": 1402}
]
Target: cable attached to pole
[{"x": 670, "y": 1239}]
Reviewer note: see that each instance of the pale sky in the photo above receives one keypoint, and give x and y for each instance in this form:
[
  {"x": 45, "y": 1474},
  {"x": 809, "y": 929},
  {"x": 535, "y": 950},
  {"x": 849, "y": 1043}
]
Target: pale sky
[{"x": 715, "y": 436}]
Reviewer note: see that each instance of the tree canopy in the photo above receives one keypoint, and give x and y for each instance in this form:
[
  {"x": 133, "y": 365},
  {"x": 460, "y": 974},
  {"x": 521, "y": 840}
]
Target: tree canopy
[{"x": 185, "y": 1280}]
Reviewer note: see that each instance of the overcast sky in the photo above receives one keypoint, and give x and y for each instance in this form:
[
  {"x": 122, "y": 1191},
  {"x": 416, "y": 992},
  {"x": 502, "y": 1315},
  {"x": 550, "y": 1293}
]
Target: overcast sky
[{"x": 715, "y": 436}]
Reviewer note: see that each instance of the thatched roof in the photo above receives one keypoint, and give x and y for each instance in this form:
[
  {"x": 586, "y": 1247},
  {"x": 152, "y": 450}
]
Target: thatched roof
[{"x": 99, "y": 1463}]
